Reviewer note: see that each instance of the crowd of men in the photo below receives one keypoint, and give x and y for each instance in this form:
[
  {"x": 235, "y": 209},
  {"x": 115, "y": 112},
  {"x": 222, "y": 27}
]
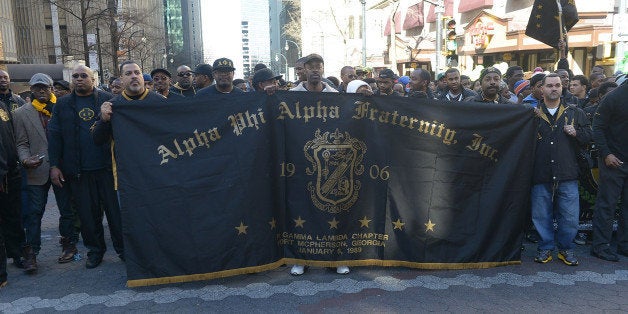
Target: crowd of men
[{"x": 61, "y": 137}]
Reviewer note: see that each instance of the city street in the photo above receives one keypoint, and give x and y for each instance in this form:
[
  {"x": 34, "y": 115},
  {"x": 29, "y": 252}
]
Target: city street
[{"x": 593, "y": 286}]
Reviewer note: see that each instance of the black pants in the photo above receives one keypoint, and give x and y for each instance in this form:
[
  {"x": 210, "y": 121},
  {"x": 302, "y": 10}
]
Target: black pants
[
  {"x": 11, "y": 232},
  {"x": 93, "y": 191},
  {"x": 613, "y": 185}
]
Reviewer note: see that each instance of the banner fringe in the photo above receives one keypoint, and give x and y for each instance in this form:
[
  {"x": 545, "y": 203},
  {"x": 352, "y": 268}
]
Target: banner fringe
[{"x": 367, "y": 262}]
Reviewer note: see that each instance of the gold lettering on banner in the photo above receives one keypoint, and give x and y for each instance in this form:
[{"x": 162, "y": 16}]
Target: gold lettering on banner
[
  {"x": 364, "y": 110},
  {"x": 307, "y": 113},
  {"x": 188, "y": 145},
  {"x": 335, "y": 158},
  {"x": 482, "y": 148},
  {"x": 243, "y": 120}
]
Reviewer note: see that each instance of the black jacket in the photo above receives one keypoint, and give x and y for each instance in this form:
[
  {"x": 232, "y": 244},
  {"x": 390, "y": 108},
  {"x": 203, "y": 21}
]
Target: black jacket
[
  {"x": 480, "y": 98},
  {"x": 610, "y": 124},
  {"x": 466, "y": 93},
  {"x": 556, "y": 152},
  {"x": 64, "y": 145},
  {"x": 8, "y": 148}
]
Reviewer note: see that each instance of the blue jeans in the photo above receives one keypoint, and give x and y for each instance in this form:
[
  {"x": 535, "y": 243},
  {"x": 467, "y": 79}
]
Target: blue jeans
[
  {"x": 563, "y": 206},
  {"x": 32, "y": 215}
]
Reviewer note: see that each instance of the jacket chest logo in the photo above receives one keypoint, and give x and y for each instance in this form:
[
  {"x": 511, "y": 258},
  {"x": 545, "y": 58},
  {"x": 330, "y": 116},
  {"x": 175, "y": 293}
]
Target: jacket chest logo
[{"x": 86, "y": 114}]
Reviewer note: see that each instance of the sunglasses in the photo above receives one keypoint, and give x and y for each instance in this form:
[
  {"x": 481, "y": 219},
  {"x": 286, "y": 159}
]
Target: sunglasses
[
  {"x": 81, "y": 75},
  {"x": 352, "y": 76},
  {"x": 182, "y": 74}
]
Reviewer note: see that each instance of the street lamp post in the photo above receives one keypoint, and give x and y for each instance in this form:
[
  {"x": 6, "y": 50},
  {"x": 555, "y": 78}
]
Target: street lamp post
[
  {"x": 285, "y": 61},
  {"x": 100, "y": 69},
  {"x": 286, "y": 47},
  {"x": 439, "y": 10},
  {"x": 363, "y": 32}
]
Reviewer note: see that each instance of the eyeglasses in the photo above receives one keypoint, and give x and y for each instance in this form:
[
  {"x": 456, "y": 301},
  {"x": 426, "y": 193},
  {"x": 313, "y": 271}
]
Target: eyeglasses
[
  {"x": 81, "y": 75},
  {"x": 186, "y": 74},
  {"x": 352, "y": 76}
]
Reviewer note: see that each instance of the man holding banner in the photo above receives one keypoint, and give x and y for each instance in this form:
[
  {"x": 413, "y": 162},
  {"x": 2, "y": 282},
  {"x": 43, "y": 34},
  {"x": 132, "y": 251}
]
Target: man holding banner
[{"x": 314, "y": 69}]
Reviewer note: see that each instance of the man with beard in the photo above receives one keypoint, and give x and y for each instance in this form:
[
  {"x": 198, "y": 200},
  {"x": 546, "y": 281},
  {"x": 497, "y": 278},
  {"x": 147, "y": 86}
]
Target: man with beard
[
  {"x": 490, "y": 78},
  {"x": 223, "y": 74},
  {"x": 314, "y": 69},
  {"x": 76, "y": 161},
  {"x": 184, "y": 86},
  {"x": 563, "y": 129},
  {"x": 11, "y": 100},
  {"x": 455, "y": 90},
  {"x": 31, "y": 124},
  {"x": 161, "y": 84}
]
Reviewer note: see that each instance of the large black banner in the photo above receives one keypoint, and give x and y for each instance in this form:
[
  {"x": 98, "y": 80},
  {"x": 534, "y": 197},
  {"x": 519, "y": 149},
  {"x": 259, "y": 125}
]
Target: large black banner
[{"x": 245, "y": 183}]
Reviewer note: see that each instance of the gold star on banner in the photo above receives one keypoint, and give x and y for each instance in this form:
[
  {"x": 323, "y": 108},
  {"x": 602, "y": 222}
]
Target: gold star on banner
[
  {"x": 364, "y": 222},
  {"x": 273, "y": 223},
  {"x": 333, "y": 224},
  {"x": 538, "y": 17},
  {"x": 429, "y": 226},
  {"x": 540, "y": 6},
  {"x": 242, "y": 228},
  {"x": 398, "y": 224},
  {"x": 538, "y": 25},
  {"x": 299, "y": 222}
]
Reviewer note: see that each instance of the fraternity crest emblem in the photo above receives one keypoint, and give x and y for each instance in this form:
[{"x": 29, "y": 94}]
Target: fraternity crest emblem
[{"x": 336, "y": 160}]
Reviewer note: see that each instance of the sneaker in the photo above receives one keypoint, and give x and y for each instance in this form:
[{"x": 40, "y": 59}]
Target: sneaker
[
  {"x": 543, "y": 256},
  {"x": 297, "y": 270},
  {"x": 581, "y": 238},
  {"x": 568, "y": 257},
  {"x": 343, "y": 270}
]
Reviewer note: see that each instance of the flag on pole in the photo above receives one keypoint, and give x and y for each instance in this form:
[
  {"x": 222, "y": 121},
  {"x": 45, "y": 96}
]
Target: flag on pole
[{"x": 544, "y": 25}]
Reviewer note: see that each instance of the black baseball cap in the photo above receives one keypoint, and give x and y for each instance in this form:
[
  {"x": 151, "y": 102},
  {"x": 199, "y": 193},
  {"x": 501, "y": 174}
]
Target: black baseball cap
[
  {"x": 159, "y": 70},
  {"x": 388, "y": 73},
  {"x": 223, "y": 64},
  {"x": 62, "y": 83},
  {"x": 313, "y": 57},
  {"x": 204, "y": 69},
  {"x": 264, "y": 75}
]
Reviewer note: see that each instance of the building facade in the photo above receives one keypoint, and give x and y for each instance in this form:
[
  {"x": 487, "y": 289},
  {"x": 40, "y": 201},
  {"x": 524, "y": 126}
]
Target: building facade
[{"x": 492, "y": 32}]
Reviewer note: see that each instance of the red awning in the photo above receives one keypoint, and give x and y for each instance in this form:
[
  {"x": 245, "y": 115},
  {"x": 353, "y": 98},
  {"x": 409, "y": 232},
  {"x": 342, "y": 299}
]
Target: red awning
[
  {"x": 414, "y": 16},
  {"x": 468, "y": 5},
  {"x": 397, "y": 19},
  {"x": 449, "y": 11}
]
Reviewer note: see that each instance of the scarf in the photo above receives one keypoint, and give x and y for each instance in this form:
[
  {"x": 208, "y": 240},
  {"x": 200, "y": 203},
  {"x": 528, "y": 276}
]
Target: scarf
[{"x": 45, "y": 108}]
